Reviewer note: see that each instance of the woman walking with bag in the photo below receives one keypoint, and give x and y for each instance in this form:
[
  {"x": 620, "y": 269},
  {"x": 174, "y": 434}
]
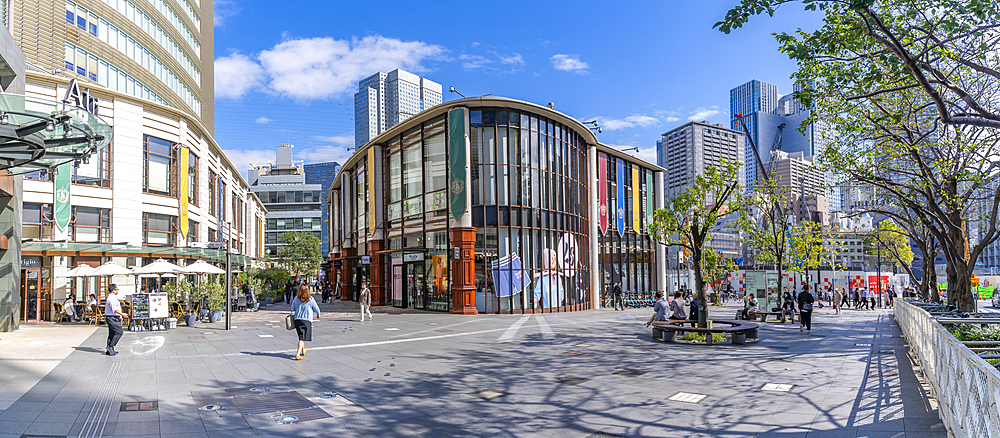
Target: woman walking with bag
[
  {"x": 304, "y": 309},
  {"x": 365, "y": 301}
]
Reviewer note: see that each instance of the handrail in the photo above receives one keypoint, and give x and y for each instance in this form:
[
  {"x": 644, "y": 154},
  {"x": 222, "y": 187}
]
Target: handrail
[{"x": 964, "y": 384}]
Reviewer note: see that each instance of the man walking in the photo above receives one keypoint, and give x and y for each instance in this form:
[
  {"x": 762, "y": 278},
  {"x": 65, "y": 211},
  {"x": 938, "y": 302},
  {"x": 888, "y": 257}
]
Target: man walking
[
  {"x": 846, "y": 298},
  {"x": 616, "y": 294},
  {"x": 113, "y": 315}
]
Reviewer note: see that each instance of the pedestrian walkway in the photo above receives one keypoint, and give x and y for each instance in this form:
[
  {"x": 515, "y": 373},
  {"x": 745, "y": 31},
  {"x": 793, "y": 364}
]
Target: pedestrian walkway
[{"x": 582, "y": 374}]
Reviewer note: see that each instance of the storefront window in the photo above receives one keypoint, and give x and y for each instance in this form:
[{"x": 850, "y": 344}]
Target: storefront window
[
  {"x": 158, "y": 229},
  {"x": 91, "y": 225}
]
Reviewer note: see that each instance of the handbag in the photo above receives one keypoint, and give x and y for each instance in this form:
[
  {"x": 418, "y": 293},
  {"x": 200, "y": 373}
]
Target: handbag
[{"x": 289, "y": 322}]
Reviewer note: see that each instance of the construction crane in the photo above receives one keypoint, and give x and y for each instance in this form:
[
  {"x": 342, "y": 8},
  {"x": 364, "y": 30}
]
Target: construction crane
[{"x": 775, "y": 149}]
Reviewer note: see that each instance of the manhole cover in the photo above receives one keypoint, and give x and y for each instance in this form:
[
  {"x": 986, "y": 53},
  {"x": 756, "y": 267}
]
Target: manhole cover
[
  {"x": 688, "y": 397},
  {"x": 628, "y": 372},
  {"x": 327, "y": 395},
  {"x": 139, "y": 406},
  {"x": 285, "y": 419},
  {"x": 208, "y": 333},
  {"x": 571, "y": 380},
  {"x": 433, "y": 323},
  {"x": 258, "y": 389},
  {"x": 251, "y": 329},
  {"x": 489, "y": 394},
  {"x": 573, "y": 353},
  {"x": 211, "y": 408},
  {"x": 604, "y": 435}
]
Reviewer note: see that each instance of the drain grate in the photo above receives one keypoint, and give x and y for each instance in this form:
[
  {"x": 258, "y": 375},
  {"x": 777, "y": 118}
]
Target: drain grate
[
  {"x": 573, "y": 353},
  {"x": 628, "y": 372},
  {"x": 776, "y": 387},
  {"x": 139, "y": 406},
  {"x": 489, "y": 394},
  {"x": 688, "y": 397},
  {"x": 571, "y": 380}
]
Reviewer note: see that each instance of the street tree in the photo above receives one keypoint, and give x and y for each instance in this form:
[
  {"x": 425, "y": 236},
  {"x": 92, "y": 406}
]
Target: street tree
[
  {"x": 300, "y": 253},
  {"x": 764, "y": 226},
  {"x": 689, "y": 219},
  {"x": 810, "y": 248},
  {"x": 907, "y": 94},
  {"x": 716, "y": 267}
]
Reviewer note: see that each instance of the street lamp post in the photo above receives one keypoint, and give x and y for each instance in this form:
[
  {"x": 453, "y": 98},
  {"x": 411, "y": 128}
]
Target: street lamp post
[{"x": 878, "y": 278}]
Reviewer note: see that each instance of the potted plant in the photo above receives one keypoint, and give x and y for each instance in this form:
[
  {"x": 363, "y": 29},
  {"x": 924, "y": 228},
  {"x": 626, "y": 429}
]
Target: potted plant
[{"x": 216, "y": 300}]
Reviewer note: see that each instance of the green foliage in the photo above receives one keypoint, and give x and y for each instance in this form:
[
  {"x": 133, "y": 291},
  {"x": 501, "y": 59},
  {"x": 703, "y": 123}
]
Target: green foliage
[
  {"x": 274, "y": 278},
  {"x": 893, "y": 240},
  {"x": 216, "y": 295},
  {"x": 764, "y": 226},
  {"x": 179, "y": 290},
  {"x": 300, "y": 253},
  {"x": 716, "y": 337},
  {"x": 811, "y": 247}
]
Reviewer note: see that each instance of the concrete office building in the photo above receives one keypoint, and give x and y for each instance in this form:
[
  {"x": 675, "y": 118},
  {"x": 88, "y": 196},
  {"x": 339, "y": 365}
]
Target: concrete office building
[
  {"x": 687, "y": 150},
  {"x": 292, "y": 204},
  {"x": 805, "y": 183},
  {"x": 162, "y": 188},
  {"x": 386, "y": 99},
  {"x": 323, "y": 174},
  {"x": 494, "y": 205}
]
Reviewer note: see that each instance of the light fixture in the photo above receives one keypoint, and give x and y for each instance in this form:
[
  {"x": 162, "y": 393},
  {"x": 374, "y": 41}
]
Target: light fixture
[
  {"x": 86, "y": 159},
  {"x": 50, "y": 126},
  {"x": 453, "y": 90},
  {"x": 4, "y": 118},
  {"x": 66, "y": 130}
]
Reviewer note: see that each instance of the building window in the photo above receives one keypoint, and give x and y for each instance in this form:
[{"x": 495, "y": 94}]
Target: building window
[
  {"x": 92, "y": 225},
  {"x": 36, "y": 221},
  {"x": 192, "y": 233},
  {"x": 192, "y": 193},
  {"x": 159, "y": 169},
  {"x": 158, "y": 229},
  {"x": 211, "y": 193},
  {"x": 97, "y": 172}
]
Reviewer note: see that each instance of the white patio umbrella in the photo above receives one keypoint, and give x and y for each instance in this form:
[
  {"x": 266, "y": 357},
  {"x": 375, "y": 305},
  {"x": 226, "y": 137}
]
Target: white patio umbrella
[
  {"x": 84, "y": 270},
  {"x": 202, "y": 267},
  {"x": 159, "y": 267},
  {"x": 109, "y": 269}
]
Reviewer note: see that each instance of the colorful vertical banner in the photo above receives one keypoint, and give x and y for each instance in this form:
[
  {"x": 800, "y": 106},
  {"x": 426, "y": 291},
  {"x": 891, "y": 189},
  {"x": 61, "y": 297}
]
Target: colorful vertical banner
[
  {"x": 457, "y": 183},
  {"x": 221, "y": 202},
  {"x": 371, "y": 189},
  {"x": 182, "y": 197},
  {"x": 620, "y": 208},
  {"x": 602, "y": 185},
  {"x": 649, "y": 198},
  {"x": 636, "y": 200},
  {"x": 61, "y": 207}
]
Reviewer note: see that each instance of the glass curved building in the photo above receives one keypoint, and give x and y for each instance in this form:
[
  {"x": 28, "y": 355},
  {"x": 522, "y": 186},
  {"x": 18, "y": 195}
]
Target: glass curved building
[{"x": 493, "y": 205}]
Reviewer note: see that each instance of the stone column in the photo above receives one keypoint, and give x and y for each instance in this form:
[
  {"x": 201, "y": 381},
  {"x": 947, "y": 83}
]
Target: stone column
[
  {"x": 376, "y": 273},
  {"x": 594, "y": 217},
  {"x": 660, "y": 249},
  {"x": 463, "y": 271},
  {"x": 346, "y": 275}
]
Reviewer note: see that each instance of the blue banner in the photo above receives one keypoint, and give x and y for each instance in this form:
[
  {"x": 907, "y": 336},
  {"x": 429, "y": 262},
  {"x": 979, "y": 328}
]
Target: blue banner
[
  {"x": 620, "y": 209},
  {"x": 508, "y": 276}
]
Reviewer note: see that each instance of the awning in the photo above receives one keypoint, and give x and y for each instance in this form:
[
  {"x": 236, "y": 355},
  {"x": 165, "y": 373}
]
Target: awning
[
  {"x": 120, "y": 250},
  {"x": 43, "y": 134}
]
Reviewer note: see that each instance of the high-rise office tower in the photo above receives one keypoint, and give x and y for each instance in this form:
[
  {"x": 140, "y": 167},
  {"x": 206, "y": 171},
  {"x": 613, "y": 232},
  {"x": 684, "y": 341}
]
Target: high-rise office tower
[
  {"x": 385, "y": 99},
  {"x": 157, "y": 50},
  {"x": 687, "y": 150},
  {"x": 750, "y": 100},
  {"x": 292, "y": 204}
]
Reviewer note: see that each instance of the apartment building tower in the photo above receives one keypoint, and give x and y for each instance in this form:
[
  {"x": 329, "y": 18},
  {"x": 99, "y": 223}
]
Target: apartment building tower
[
  {"x": 384, "y": 100},
  {"x": 687, "y": 150}
]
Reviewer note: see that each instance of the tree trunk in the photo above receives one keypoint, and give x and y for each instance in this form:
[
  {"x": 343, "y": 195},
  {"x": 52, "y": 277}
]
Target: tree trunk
[
  {"x": 952, "y": 279},
  {"x": 699, "y": 287}
]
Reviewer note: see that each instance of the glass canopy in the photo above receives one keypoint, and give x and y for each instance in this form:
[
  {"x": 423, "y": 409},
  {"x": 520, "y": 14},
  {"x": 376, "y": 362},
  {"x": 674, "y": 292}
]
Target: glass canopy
[{"x": 38, "y": 133}]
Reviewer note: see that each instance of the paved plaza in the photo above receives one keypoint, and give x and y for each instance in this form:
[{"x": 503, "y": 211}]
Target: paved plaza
[{"x": 407, "y": 373}]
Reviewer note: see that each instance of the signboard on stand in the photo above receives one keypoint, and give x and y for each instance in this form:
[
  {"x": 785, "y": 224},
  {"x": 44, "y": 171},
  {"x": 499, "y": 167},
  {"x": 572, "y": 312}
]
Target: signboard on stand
[
  {"x": 158, "y": 307},
  {"x": 140, "y": 306}
]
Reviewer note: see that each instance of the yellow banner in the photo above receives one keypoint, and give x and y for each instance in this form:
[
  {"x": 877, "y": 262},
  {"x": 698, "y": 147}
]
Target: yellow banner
[
  {"x": 636, "y": 200},
  {"x": 182, "y": 195},
  {"x": 371, "y": 189}
]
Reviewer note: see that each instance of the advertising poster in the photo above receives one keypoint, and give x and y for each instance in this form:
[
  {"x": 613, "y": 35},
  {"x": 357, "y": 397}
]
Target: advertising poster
[
  {"x": 755, "y": 284},
  {"x": 158, "y": 306},
  {"x": 559, "y": 267}
]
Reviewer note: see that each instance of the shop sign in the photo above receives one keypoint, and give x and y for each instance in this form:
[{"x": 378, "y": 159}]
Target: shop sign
[
  {"x": 457, "y": 184},
  {"x": 31, "y": 262},
  {"x": 61, "y": 195},
  {"x": 338, "y": 264},
  {"x": 414, "y": 257},
  {"x": 366, "y": 260},
  {"x": 81, "y": 100}
]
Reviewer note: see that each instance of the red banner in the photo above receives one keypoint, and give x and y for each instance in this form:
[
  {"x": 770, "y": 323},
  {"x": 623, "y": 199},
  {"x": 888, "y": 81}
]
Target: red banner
[
  {"x": 873, "y": 284},
  {"x": 602, "y": 184}
]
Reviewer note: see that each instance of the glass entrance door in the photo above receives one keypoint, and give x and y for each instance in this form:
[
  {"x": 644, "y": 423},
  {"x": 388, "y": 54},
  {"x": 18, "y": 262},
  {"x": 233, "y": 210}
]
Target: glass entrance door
[
  {"x": 31, "y": 302},
  {"x": 416, "y": 285}
]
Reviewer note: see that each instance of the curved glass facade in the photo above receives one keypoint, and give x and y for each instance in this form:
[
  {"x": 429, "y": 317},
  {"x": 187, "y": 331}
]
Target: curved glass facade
[{"x": 530, "y": 216}]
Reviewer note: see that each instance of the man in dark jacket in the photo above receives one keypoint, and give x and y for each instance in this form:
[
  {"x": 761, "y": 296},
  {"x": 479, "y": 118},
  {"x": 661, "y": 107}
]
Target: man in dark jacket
[
  {"x": 616, "y": 294},
  {"x": 805, "y": 309}
]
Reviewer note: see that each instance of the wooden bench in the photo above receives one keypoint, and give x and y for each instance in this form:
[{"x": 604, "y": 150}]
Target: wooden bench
[
  {"x": 740, "y": 330},
  {"x": 764, "y": 315}
]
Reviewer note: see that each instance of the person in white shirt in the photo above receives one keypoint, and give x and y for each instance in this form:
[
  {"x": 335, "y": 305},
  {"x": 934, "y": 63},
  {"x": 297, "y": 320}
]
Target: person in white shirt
[
  {"x": 113, "y": 315},
  {"x": 70, "y": 307}
]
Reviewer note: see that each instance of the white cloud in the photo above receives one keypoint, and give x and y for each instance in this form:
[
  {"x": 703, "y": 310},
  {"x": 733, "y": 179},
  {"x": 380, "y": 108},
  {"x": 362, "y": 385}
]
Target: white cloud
[
  {"x": 325, "y": 153},
  {"x": 700, "y": 114},
  {"x": 570, "y": 63},
  {"x": 633, "y": 121},
  {"x": 223, "y": 10},
  {"x": 474, "y": 44},
  {"x": 515, "y": 58},
  {"x": 489, "y": 61},
  {"x": 671, "y": 119},
  {"x": 645, "y": 153},
  {"x": 242, "y": 158},
  {"x": 262, "y": 120},
  {"x": 341, "y": 140},
  {"x": 321, "y": 68},
  {"x": 472, "y": 62},
  {"x": 236, "y": 75}
]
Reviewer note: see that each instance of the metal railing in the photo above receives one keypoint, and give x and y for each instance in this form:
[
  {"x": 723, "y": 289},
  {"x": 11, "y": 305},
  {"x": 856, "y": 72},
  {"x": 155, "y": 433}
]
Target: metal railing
[{"x": 966, "y": 386}]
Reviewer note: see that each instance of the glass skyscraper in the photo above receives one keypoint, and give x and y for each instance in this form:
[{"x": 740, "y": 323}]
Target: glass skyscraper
[
  {"x": 751, "y": 100},
  {"x": 385, "y": 99},
  {"x": 323, "y": 174}
]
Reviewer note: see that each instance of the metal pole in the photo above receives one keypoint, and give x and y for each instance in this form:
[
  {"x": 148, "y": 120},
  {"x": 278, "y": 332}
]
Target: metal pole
[
  {"x": 878, "y": 278},
  {"x": 229, "y": 284}
]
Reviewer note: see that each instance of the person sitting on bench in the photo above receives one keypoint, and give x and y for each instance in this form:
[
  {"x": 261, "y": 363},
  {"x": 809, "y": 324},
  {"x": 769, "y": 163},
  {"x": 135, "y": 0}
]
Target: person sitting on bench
[
  {"x": 660, "y": 308},
  {"x": 788, "y": 309}
]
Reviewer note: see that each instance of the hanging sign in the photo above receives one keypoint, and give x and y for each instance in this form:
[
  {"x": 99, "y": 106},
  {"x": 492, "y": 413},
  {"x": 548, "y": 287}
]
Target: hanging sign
[
  {"x": 620, "y": 210},
  {"x": 649, "y": 198},
  {"x": 457, "y": 183},
  {"x": 182, "y": 197},
  {"x": 61, "y": 208},
  {"x": 602, "y": 185},
  {"x": 371, "y": 190},
  {"x": 636, "y": 200}
]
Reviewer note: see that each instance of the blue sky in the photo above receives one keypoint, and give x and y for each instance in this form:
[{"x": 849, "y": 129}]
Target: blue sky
[{"x": 286, "y": 72}]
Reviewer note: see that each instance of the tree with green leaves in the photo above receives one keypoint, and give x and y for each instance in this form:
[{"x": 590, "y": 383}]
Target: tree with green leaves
[
  {"x": 689, "y": 219},
  {"x": 764, "y": 226},
  {"x": 907, "y": 94},
  {"x": 716, "y": 267},
  {"x": 299, "y": 253},
  {"x": 810, "y": 248}
]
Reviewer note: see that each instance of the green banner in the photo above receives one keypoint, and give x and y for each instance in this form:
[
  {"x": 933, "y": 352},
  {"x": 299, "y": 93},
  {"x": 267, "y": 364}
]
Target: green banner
[
  {"x": 61, "y": 208},
  {"x": 456, "y": 162},
  {"x": 986, "y": 292}
]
